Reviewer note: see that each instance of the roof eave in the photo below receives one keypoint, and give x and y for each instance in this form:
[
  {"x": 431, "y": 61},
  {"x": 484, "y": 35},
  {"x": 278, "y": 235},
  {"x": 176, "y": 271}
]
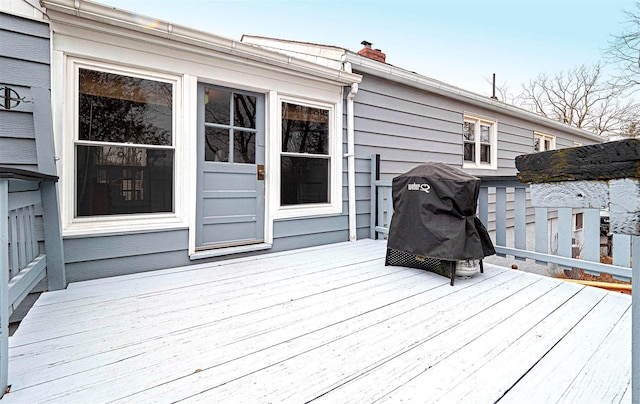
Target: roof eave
[
  {"x": 175, "y": 32},
  {"x": 416, "y": 80}
]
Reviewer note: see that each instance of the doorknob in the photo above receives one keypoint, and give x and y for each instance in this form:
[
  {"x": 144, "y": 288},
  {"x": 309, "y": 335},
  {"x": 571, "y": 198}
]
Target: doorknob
[{"x": 260, "y": 172}]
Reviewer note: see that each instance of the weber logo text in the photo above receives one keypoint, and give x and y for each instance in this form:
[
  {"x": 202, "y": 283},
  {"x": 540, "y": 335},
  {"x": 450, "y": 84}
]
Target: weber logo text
[{"x": 419, "y": 187}]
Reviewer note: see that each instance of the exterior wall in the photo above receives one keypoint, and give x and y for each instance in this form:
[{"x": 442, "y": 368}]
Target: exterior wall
[
  {"x": 408, "y": 127},
  {"x": 98, "y": 251},
  {"x": 25, "y": 68},
  {"x": 24, "y": 64}
]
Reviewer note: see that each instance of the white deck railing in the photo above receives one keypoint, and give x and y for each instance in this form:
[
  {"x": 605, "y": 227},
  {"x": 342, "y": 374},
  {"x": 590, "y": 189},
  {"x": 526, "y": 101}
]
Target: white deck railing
[
  {"x": 22, "y": 265},
  {"x": 510, "y": 227}
]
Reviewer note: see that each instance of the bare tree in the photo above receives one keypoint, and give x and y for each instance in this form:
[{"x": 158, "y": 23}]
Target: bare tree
[
  {"x": 582, "y": 98},
  {"x": 624, "y": 51}
]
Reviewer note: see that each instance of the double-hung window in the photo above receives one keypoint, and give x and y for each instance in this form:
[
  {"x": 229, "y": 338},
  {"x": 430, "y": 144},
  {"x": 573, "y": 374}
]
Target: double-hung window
[
  {"x": 479, "y": 142},
  {"x": 305, "y": 158},
  {"x": 124, "y": 148},
  {"x": 309, "y": 161},
  {"x": 543, "y": 142}
]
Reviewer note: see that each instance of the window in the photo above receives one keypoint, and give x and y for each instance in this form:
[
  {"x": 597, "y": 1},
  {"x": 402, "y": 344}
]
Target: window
[
  {"x": 579, "y": 220},
  {"x": 305, "y": 159},
  {"x": 124, "y": 148},
  {"x": 230, "y": 126},
  {"x": 307, "y": 165},
  {"x": 542, "y": 142},
  {"x": 479, "y": 142}
]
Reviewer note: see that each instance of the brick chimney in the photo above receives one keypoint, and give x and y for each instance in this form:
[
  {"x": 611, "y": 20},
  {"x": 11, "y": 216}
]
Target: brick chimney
[{"x": 368, "y": 52}]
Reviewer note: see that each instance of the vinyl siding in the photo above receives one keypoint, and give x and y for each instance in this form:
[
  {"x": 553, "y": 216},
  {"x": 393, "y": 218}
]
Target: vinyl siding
[
  {"x": 24, "y": 63},
  {"x": 102, "y": 256},
  {"x": 405, "y": 126},
  {"x": 408, "y": 127},
  {"x": 24, "y": 66}
]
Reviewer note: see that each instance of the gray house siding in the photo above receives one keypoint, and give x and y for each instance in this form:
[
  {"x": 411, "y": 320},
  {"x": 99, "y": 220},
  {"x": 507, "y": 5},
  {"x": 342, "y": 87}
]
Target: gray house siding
[
  {"x": 407, "y": 126},
  {"x": 100, "y": 256},
  {"x": 24, "y": 68},
  {"x": 121, "y": 254},
  {"x": 24, "y": 64},
  {"x": 26, "y": 134},
  {"x": 404, "y": 125}
]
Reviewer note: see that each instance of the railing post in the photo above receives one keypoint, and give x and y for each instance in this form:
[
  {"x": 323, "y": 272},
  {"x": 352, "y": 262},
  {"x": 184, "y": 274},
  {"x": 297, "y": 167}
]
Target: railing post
[
  {"x": 375, "y": 175},
  {"x": 565, "y": 232},
  {"x": 635, "y": 321},
  {"x": 501, "y": 218},
  {"x": 591, "y": 236},
  {"x": 4, "y": 285},
  {"x": 56, "y": 274},
  {"x": 483, "y": 205},
  {"x": 520, "y": 220},
  {"x": 621, "y": 249},
  {"x": 542, "y": 232},
  {"x": 43, "y": 127}
]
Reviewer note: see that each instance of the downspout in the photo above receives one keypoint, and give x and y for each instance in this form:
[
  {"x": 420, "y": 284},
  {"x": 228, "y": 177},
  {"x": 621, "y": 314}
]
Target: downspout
[{"x": 351, "y": 158}]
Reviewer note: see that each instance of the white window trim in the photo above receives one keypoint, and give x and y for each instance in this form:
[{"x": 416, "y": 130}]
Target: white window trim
[
  {"x": 334, "y": 207},
  {"x": 543, "y": 136},
  {"x": 493, "y": 124},
  {"x": 73, "y": 225}
]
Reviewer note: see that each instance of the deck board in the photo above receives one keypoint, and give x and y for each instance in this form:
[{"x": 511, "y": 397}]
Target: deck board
[
  {"x": 449, "y": 375},
  {"x": 447, "y": 358},
  {"x": 330, "y": 324},
  {"x": 550, "y": 380}
]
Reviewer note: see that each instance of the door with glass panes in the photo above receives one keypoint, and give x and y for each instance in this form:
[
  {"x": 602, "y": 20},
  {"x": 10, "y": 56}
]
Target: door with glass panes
[{"x": 230, "y": 196}]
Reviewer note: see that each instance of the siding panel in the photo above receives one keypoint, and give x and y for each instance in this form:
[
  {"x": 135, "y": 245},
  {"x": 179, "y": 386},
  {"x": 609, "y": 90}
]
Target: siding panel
[
  {"x": 16, "y": 125},
  {"x": 309, "y": 240},
  {"x": 299, "y": 227},
  {"x": 124, "y": 245},
  {"x": 367, "y": 97},
  {"x": 413, "y": 143},
  {"x": 83, "y": 271},
  {"x": 24, "y": 47},
  {"x": 18, "y": 151},
  {"x": 24, "y": 63},
  {"x": 24, "y": 73},
  {"x": 406, "y": 119},
  {"x": 9, "y": 22},
  {"x": 408, "y": 126}
]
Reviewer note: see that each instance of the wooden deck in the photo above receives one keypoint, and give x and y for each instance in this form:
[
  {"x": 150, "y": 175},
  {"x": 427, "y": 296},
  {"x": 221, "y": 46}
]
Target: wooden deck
[{"x": 329, "y": 324}]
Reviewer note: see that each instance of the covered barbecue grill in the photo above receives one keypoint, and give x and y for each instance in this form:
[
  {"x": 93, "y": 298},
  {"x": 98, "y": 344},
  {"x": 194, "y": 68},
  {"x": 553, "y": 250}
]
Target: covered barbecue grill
[{"x": 434, "y": 224}]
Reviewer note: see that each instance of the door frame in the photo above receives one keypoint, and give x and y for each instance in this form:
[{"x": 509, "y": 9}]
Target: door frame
[{"x": 192, "y": 122}]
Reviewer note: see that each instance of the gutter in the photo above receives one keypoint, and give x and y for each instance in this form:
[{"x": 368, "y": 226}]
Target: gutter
[
  {"x": 351, "y": 165},
  {"x": 115, "y": 17},
  {"x": 415, "y": 80}
]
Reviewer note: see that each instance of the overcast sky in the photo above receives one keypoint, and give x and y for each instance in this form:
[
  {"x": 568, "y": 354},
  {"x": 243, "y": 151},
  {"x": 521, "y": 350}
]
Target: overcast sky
[{"x": 460, "y": 42}]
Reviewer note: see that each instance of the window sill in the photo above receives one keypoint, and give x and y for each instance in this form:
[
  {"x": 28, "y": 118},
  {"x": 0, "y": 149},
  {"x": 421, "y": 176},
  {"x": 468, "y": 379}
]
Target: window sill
[
  {"x": 473, "y": 166},
  {"x": 301, "y": 211},
  {"x": 113, "y": 227}
]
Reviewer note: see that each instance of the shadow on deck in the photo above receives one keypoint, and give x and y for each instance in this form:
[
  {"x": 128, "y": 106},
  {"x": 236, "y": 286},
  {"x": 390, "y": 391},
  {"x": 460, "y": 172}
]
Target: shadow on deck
[{"x": 330, "y": 324}]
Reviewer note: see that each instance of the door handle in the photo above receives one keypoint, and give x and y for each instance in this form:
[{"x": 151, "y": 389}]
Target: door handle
[{"x": 260, "y": 172}]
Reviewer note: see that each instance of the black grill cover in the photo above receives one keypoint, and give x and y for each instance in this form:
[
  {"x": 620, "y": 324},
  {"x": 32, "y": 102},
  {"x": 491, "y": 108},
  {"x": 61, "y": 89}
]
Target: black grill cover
[{"x": 435, "y": 214}]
